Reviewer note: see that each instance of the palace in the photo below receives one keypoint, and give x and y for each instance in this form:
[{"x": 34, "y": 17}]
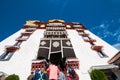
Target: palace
[{"x": 39, "y": 42}]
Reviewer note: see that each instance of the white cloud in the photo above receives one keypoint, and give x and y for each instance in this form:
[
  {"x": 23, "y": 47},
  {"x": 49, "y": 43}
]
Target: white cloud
[
  {"x": 103, "y": 30},
  {"x": 117, "y": 46},
  {"x": 102, "y": 25}
]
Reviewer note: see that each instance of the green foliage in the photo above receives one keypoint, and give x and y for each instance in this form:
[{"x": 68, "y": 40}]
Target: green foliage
[
  {"x": 98, "y": 75},
  {"x": 12, "y": 77}
]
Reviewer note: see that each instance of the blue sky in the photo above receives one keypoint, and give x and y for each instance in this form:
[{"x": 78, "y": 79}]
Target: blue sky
[{"x": 102, "y": 17}]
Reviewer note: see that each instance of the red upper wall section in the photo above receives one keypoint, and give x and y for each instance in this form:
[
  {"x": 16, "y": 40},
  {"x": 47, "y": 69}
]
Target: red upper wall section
[{"x": 43, "y": 25}]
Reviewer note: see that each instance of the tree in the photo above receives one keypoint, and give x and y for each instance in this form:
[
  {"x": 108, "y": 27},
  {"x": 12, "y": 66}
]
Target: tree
[
  {"x": 12, "y": 77},
  {"x": 98, "y": 75}
]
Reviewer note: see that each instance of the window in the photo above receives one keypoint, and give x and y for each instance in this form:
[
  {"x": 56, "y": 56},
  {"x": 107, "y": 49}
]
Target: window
[
  {"x": 6, "y": 56},
  {"x": 99, "y": 50},
  {"x": 17, "y": 44},
  {"x": 25, "y": 36},
  {"x": 68, "y": 26},
  {"x": 102, "y": 54},
  {"x": 42, "y": 26}
]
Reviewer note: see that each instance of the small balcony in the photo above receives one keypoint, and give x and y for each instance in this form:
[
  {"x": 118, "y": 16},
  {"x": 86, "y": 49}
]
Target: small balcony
[
  {"x": 37, "y": 64},
  {"x": 73, "y": 62}
]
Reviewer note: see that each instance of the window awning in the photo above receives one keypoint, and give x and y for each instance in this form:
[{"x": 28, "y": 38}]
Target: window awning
[
  {"x": 103, "y": 67},
  {"x": 21, "y": 39},
  {"x": 30, "y": 29},
  {"x": 89, "y": 40},
  {"x": 38, "y": 61},
  {"x": 30, "y": 26},
  {"x": 72, "y": 59},
  {"x": 11, "y": 48},
  {"x": 26, "y": 33},
  {"x": 80, "y": 30},
  {"x": 97, "y": 48},
  {"x": 84, "y": 35}
]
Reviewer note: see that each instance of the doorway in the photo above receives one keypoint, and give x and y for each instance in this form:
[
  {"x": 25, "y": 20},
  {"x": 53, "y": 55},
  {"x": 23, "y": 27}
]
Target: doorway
[{"x": 55, "y": 58}]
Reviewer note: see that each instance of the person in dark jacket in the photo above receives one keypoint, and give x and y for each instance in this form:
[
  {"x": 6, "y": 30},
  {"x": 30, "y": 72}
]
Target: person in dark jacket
[
  {"x": 37, "y": 75},
  {"x": 44, "y": 74},
  {"x": 30, "y": 76}
]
